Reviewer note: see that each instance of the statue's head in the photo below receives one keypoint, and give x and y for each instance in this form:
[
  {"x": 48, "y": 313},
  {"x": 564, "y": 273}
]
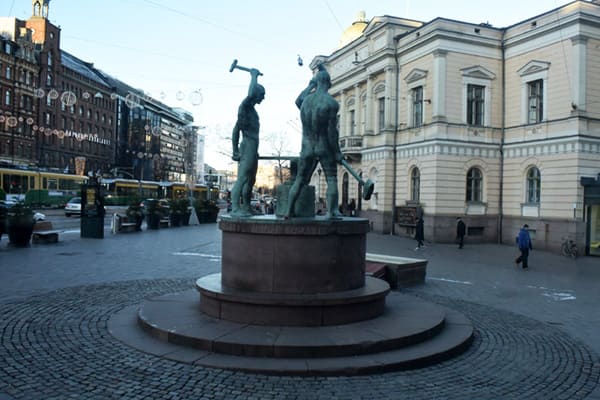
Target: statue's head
[
  {"x": 259, "y": 93},
  {"x": 322, "y": 78}
]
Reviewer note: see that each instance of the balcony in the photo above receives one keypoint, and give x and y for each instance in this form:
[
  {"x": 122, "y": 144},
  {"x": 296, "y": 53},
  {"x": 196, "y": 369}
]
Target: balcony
[{"x": 351, "y": 145}]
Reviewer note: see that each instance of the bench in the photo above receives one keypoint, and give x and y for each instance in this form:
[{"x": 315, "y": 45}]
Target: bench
[
  {"x": 43, "y": 233},
  {"x": 399, "y": 272},
  {"x": 123, "y": 225},
  {"x": 164, "y": 222}
]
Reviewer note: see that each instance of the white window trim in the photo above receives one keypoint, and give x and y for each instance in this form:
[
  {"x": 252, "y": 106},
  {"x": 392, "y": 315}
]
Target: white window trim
[
  {"x": 533, "y": 71},
  {"x": 487, "y": 108},
  {"x": 414, "y": 79}
]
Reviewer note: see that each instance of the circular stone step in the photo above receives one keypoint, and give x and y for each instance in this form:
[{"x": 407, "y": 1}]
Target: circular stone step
[
  {"x": 290, "y": 309},
  {"x": 410, "y": 332}
]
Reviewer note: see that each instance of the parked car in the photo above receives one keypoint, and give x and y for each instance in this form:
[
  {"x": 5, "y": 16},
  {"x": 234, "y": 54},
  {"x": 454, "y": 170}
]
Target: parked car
[
  {"x": 73, "y": 207},
  {"x": 7, "y": 203}
]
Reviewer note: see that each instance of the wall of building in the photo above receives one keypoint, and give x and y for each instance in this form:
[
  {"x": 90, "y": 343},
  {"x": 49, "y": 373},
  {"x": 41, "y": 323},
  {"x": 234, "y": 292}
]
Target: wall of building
[{"x": 443, "y": 57}]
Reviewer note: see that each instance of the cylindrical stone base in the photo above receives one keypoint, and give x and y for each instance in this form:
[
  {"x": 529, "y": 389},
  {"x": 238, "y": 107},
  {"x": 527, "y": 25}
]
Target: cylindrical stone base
[
  {"x": 299, "y": 256},
  {"x": 273, "y": 309}
]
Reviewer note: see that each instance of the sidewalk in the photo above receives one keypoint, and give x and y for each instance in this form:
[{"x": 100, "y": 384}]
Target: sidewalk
[{"x": 55, "y": 300}]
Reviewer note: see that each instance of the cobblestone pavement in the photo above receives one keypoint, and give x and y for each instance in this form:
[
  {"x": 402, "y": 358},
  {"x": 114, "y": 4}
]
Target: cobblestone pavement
[{"x": 534, "y": 329}]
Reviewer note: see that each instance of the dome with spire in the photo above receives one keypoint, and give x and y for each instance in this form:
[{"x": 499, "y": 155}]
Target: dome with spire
[{"x": 355, "y": 30}]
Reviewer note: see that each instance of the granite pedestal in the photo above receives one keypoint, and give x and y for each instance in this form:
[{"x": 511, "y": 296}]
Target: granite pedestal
[{"x": 294, "y": 290}]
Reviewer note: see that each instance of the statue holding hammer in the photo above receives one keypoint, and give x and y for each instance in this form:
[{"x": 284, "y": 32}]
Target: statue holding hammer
[
  {"x": 320, "y": 140},
  {"x": 246, "y": 153}
]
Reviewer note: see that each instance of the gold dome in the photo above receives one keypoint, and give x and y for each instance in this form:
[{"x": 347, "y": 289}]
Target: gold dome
[{"x": 355, "y": 30}]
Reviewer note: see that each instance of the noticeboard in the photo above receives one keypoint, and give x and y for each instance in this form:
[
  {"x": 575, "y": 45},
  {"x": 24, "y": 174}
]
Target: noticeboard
[
  {"x": 90, "y": 198},
  {"x": 406, "y": 216}
]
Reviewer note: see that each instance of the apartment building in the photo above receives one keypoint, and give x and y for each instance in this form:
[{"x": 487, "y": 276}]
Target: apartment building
[
  {"x": 500, "y": 126},
  {"x": 59, "y": 112}
]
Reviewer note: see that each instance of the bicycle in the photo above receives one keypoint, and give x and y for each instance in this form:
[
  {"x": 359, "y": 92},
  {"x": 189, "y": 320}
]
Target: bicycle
[{"x": 569, "y": 248}]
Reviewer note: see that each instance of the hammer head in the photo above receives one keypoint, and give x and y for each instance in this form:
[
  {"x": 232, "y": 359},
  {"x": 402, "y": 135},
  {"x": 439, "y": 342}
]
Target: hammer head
[
  {"x": 233, "y": 65},
  {"x": 368, "y": 189}
]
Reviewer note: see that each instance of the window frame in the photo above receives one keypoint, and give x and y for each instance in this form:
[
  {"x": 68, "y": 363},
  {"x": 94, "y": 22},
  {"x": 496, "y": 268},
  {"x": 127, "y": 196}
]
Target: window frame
[
  {"x": 416, "y": 95},
  {"x": 381, "y": 113},
  {"x": 476, "y": 104},
  {"x": 535, "y": 101},
  {"x": 531, "y": 72},
  {"x": 415, "y": 185},
  {"x": 474, "y": 185},
  {"x": 533, "y": 188}
]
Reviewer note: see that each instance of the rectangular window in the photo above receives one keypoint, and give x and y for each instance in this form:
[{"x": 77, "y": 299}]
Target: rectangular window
[
  {"x": 363, "y": 116},
  {"x": 535, "y": 105},
  {"x": 381, "y": 113},
  {"x": 417, "y": 103},
  {"x": 475, "y": 104},
  {"x": 352, "y": 122}
]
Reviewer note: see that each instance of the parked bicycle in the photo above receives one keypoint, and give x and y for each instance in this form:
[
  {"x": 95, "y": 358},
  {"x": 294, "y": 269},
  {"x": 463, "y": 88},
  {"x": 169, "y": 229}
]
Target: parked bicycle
[{"x": 569, "y": 248}]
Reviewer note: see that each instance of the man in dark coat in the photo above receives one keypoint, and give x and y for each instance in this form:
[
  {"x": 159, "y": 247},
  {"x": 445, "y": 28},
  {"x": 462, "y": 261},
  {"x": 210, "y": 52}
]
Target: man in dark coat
[
  {"x": 419, "y": 233},
  {"x": 461, "y": 229}
]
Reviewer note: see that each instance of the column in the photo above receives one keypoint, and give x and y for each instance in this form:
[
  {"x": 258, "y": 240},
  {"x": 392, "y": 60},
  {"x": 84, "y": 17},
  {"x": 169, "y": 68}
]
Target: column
[
  {"x": 369, "y": 116},
  {"x": 343, "y": 128},
  {"x": 579, "y": 79},
  {"x": 390, "y": 99},
  {"x": 438, "y": 102},
  {"x": 357, "y": 111}
]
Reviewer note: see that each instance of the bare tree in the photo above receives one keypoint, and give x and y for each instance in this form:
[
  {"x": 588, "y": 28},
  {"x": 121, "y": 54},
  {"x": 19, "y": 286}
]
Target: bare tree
[{"x": 280, "y": 149}]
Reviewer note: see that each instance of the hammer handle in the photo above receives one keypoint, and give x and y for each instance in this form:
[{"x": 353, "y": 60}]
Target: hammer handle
[
  {"x": 352, "y": 171},
  {"x": 246, "y": 69}
]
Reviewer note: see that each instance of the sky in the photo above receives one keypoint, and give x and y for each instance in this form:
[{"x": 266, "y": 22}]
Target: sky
[{"x": 174, "y": 50}]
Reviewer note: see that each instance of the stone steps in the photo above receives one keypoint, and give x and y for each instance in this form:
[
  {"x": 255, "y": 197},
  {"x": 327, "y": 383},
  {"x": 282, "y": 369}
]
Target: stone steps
[{"x": 411, "y": 333}]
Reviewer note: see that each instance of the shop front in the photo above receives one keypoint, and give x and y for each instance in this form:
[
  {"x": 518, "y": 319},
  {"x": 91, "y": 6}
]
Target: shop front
[{"x": 592, "y": 214}]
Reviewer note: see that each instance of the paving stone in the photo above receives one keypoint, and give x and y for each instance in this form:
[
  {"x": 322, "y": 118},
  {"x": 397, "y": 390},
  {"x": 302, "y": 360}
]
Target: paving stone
[
  {"x": 69, "y": 352},
  {"x": 55, "y": 342}
]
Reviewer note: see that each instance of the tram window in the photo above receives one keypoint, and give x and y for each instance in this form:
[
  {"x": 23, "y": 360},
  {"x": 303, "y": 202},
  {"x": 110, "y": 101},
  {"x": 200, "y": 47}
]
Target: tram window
[
  {"x": 68, "y": 184},
  {"x": 15, "y": 184},
  {"x": 52, "y": 184}
]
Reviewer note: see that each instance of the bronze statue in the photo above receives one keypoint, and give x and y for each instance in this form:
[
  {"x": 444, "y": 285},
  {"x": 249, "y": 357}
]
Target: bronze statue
[
  {"x": 320, "y": 140},
  {"x": 247, "y": 152}
]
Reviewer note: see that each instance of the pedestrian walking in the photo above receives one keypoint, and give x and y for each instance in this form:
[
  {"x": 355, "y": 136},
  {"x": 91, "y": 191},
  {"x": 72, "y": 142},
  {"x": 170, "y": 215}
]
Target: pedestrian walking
[
  {"x": 419, "y": 233},
  {"x": 461, "y": 229},
  {"x": 524, "y": 243}
]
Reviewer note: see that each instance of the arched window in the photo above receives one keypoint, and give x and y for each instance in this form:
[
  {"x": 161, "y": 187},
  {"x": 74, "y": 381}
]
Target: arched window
[
  {"x": 345, "y": 184},
  {"x": 474, "y": 185},
  {"x": 374, "y": 174},
  {"x": 533, "y": 185},
  {"x": 415, "y": 184}
]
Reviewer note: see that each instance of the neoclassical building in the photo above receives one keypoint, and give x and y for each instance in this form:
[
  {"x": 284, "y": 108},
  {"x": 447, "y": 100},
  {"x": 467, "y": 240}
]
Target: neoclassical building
[{"x": 500, "y": 126}]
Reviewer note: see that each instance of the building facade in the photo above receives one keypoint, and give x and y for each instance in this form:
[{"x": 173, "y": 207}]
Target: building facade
[
  {"x": 59, "y": 112},
  {"x": 500, "y": 126}
]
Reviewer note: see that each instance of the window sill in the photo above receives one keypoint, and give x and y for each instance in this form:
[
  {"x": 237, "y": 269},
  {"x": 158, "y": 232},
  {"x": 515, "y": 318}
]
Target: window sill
[
  {"x": 530, "y": 210},
  {"x": 476, "y": 208}
]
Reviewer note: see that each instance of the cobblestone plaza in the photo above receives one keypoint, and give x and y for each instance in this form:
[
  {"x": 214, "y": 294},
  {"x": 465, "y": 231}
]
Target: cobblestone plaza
[{"x": 536, "y": 330}]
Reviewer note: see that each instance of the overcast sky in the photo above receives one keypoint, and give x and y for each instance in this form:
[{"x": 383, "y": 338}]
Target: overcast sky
[{"x": 172, "y": 49}]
